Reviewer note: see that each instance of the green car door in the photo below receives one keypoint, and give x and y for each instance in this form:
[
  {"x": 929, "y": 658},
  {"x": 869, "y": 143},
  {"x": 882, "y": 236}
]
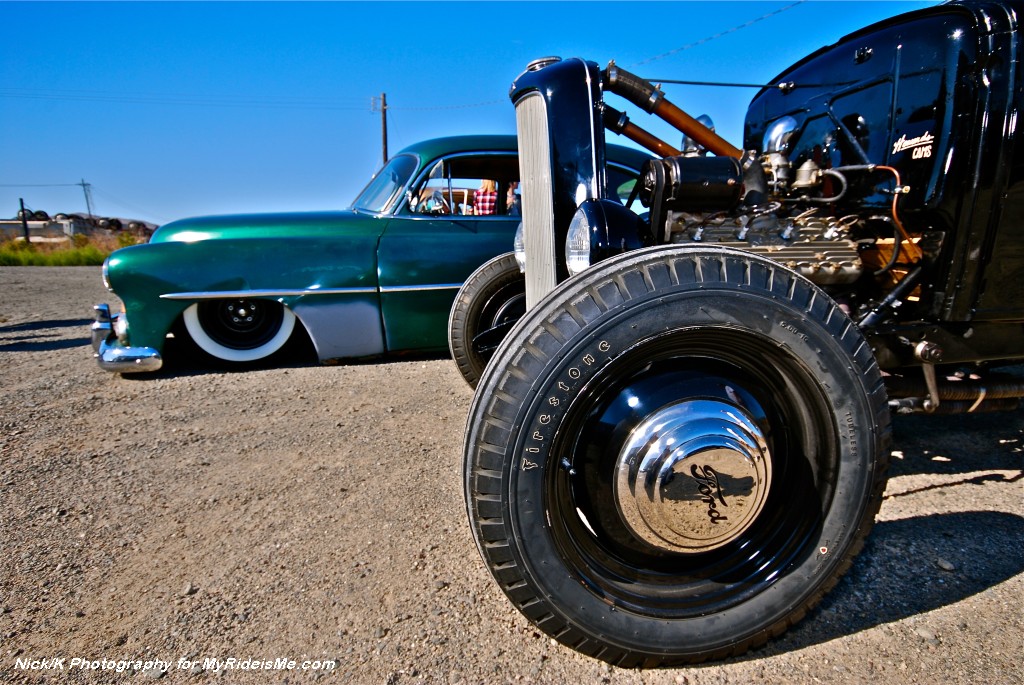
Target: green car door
[{"x": 462, "y": 212}]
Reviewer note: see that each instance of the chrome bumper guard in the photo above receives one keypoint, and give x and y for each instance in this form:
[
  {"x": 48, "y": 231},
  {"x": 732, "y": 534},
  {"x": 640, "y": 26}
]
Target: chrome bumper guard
[{"x": 111, "y": 355}]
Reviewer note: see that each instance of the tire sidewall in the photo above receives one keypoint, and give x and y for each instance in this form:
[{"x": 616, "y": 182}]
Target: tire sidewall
[{"x": 464, "y": 319}]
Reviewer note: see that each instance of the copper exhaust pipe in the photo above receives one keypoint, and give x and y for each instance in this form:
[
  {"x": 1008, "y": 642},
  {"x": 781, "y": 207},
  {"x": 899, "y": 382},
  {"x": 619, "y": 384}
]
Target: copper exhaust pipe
[
  {"x": 618, "y": 122},
  {"x": 645, "y": 96}
]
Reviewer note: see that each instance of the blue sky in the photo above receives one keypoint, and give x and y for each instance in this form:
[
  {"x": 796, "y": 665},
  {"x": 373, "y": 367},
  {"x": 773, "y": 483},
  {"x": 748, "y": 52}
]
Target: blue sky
[{"x": 177, "y": 109}]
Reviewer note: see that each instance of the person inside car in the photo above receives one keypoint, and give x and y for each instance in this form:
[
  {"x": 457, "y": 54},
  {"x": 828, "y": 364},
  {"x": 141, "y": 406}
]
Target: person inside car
[{"x": 485, "y": 198}]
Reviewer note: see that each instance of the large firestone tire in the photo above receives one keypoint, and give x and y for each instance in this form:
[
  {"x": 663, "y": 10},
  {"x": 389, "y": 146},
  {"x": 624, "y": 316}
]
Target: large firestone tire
[
  {"x": 675, "y": 455},
  {"x": 486, "y": 307}
]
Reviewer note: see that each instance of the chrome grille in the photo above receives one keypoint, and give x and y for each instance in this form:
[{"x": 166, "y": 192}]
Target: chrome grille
[{"x": 537, "y": 197}]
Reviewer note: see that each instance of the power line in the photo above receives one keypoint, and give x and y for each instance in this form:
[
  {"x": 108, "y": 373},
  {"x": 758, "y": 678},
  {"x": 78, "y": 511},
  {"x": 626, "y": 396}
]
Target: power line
[
  {"x": 87, "y": 190},
  {"x": 127, "y": 205},
  {"x": 717, "y": 35},
  {"x": 262, "y": 97},
  {"x": 37, "y": 185},
  {"x": 488, "y": 103},
  {"x": 252, "y": 102},
  {"x": 784, "y": 86},
  {"x": 719, "y": 84}
]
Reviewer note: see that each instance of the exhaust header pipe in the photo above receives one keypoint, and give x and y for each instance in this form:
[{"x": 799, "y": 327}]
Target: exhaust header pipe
[{"x": 644, "y": 95}]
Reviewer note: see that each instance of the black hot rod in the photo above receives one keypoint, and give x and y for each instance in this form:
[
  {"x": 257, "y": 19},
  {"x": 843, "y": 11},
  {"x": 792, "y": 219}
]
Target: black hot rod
[{"x": 679, "y": 449}]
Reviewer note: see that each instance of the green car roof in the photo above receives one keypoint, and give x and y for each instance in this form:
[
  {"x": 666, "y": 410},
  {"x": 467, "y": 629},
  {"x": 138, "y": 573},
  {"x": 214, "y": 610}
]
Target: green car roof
[{"x": 436, "y": 147}]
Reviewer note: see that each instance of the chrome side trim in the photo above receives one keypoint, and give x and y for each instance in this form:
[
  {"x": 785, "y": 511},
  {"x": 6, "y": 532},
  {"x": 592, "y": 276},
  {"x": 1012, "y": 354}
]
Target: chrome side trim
[
  {"x": 412, "y": 288},
  {"x": 221, "y": 294}
]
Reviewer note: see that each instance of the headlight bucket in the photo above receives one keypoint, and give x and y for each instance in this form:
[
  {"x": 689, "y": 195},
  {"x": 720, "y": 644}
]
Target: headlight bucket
[{"x": 600, "y": 229}]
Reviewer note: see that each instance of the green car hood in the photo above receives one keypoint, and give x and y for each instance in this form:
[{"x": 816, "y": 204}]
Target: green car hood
[{"x": 280, "y": 225}]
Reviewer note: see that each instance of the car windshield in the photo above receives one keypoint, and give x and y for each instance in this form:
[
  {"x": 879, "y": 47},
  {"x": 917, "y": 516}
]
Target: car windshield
[{"x": 386, "y": 184}]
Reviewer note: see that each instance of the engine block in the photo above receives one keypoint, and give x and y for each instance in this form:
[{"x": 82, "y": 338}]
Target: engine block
[{"x": 819, "y": 248}]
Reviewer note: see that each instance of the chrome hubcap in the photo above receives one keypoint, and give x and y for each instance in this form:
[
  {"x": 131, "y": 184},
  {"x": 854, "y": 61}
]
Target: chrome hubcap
[
  {"x": 693, "y": 476},
  {"x": 243, "y": 312}
]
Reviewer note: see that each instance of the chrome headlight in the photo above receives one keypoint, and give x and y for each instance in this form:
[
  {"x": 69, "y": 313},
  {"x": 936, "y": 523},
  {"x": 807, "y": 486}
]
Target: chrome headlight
[
  {"x": 577, "y": 241},
  {"x": 106, "y": 275},
  {"x": 601, "y": 229},
  {"x": 519, "y": 247}
]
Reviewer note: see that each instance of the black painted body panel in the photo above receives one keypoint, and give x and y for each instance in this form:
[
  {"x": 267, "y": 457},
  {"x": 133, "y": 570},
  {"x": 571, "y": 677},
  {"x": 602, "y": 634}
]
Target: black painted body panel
[{"x": 936, "y": 94}]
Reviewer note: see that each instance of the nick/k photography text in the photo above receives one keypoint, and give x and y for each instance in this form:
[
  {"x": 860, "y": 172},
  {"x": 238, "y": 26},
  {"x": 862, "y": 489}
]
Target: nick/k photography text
[{"x": 194, "y": 664}]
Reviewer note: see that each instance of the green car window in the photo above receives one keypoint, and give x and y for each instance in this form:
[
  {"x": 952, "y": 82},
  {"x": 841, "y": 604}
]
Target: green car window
[
  {"x": 620, "y": 185},
  {"x": 468, "y": 185},
  {"x": 386, "y": 185}
]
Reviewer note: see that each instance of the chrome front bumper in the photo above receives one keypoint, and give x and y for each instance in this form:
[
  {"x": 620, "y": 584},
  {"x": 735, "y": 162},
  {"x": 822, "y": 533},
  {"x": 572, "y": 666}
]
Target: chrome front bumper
[{"x": 111, "y": 355}]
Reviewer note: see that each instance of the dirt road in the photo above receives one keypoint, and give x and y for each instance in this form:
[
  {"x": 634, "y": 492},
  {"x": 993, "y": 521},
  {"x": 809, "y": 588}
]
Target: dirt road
[{"x": 315, "y": 514}]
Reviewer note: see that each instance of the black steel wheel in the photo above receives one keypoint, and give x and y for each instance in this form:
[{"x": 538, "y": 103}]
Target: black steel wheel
[
  {"x": 675, "y": 455},
  {"x": 489, "y": 303},
  {"x": 239, "y": 329}
]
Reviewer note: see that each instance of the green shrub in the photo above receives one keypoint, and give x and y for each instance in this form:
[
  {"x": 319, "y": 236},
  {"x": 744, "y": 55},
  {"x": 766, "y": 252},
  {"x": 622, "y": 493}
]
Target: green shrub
[
  {"x": 19, "y": 246},
  {"x": 125, "y": 239},
  {"x": 81, "y": 250}
]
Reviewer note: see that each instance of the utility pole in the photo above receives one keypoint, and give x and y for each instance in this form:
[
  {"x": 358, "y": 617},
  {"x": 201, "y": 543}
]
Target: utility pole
[
  {"x": 383, "y": 121},
  {"x": 87, "y": 191},
  {"x": 24, "y": 220},
  {"x": 384, "y": 124}
]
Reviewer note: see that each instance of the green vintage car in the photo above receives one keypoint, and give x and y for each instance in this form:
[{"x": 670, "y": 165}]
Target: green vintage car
[{"x": 375, "y": 279}]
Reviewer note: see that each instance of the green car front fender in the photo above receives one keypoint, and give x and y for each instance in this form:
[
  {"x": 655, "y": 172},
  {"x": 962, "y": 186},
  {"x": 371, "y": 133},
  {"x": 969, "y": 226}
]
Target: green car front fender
[{"x": 309, "y": 274}]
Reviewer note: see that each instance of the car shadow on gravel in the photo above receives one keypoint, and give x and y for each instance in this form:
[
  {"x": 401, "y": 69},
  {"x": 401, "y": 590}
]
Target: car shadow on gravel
[
  {"x": 910, "y": 567},
  {"x": 948, "y": 445},
  {"x": 182, "y": 360},
  {"x": 41, "y": 336},
  {"x": 41, "y": 325}
]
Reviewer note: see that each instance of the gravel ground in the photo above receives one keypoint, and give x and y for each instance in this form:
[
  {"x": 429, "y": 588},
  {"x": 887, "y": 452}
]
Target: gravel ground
[{"x": 316, "y": 513}]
